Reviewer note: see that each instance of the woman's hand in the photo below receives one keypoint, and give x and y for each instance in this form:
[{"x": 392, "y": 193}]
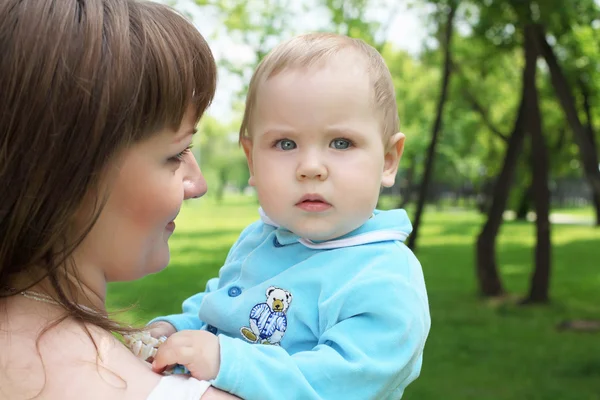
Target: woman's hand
[
  {"x": 216, "y": 394},
  {"x": 198, "y": 351}
]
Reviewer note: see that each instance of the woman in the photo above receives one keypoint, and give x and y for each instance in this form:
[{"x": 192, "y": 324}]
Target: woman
[{"x": 98, "y": 104}]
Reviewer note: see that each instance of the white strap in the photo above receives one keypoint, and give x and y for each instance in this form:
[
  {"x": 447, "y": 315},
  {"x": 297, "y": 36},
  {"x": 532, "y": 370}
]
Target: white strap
[{"x": 179, "y": 387}]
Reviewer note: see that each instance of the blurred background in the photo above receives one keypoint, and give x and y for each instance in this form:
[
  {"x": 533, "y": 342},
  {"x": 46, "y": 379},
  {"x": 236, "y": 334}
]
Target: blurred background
[{"x": 500, "y": 103}]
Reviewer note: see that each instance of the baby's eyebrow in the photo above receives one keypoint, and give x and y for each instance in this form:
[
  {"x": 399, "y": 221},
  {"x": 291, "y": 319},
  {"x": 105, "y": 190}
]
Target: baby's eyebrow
[
  {"x": 278, "y": 131},
  {"x": 343, "y": 131}
]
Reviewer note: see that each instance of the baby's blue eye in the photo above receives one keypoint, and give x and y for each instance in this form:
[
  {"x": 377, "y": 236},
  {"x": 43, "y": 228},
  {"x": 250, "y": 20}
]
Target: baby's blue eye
[
  {"x": 286, "y": 144},
  {"x": 341, "y": 144}
]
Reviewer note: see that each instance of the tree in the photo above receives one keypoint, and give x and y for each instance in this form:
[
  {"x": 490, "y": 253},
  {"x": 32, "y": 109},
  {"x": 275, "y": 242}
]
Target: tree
[
  {"x": 486, "y": 266},
  {"x": 538, "y": 292},
  {"x": 583, "y": 136},
  {"x": 447, "y": 40}
]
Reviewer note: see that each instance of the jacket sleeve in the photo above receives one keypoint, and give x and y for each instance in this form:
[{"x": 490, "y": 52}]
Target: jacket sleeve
[
  {"x": 189, "y": 318},
  {"x": 371, "y": 345}
]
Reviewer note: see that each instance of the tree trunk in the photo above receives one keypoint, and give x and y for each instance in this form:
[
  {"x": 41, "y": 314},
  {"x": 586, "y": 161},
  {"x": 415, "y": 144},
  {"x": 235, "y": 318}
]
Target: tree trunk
[
  {"x": 590, "y": 130},
  {"x": 525, "y": 202},
  {"x": 538, "y": 292},
  {"x": 223, "y": 173},
  {"x": 486, "y": 268},
  {"x": 596, "y": 204},
  {"x": 412, "y": 239},
  {"x": 524, "y": 205},
  {"x": 587, "y": 150},
  {"x": 410, "y": 176},
  {"x": 484, "y": 195}
]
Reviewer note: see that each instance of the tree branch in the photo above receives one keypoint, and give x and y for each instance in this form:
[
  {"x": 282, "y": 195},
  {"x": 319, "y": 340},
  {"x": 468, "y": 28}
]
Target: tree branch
[
  {"x": 483, "y": 113},
  {"x": 476, "y": 105},
  {"x": 585, "y": 91}
]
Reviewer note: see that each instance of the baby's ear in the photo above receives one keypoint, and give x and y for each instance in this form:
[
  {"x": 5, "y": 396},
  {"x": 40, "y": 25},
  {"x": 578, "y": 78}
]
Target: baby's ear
[
  {"x": 393, "y": 152},
  {"x": 247, "y": 146}
]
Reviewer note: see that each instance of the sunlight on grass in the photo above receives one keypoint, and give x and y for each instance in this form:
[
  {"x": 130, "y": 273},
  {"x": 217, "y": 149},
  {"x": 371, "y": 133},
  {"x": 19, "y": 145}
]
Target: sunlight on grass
[{"x": 514, "y": 269}]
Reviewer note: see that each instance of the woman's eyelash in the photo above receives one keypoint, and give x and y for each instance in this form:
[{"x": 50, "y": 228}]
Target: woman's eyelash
[{"x": 179, "y": 156}]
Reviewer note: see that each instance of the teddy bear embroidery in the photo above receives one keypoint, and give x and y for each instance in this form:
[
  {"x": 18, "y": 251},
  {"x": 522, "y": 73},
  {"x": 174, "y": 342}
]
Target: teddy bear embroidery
[{"x": 268, "y": 320}]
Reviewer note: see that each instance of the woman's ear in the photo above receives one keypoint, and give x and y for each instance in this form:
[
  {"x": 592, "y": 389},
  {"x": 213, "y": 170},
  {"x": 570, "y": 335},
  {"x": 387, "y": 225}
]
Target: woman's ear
[
  {"x": 393, "y": 153},
  {"x": 247, "y": 145}
]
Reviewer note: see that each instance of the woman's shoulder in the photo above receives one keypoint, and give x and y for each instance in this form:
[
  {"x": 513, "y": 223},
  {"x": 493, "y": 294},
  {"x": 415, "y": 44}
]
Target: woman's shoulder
[
  {"x": 104, "y": 367},
  {"x": 70, "y": 362}
]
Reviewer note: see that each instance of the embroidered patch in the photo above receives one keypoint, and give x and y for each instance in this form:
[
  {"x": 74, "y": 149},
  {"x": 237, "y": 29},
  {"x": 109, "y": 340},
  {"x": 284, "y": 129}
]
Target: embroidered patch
[{"x": 268, "y": 320}]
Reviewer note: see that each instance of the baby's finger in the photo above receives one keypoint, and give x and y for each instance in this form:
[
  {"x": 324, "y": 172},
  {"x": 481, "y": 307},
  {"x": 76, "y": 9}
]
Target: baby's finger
[
  {"x": 161, "y": 370},
  {"x": 161, "y": 328},
  {"x": 169, "y": 354}
]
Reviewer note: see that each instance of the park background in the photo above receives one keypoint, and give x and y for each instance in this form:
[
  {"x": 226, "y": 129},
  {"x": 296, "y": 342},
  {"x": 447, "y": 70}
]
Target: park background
[{"x": 500, "y": 103}]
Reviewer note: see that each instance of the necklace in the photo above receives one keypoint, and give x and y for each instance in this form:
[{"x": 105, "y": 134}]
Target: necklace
[
  {"x": 141, "y": 344},
  {"x": 44, "y": 298},
  {"x": 30, "y": 294}
]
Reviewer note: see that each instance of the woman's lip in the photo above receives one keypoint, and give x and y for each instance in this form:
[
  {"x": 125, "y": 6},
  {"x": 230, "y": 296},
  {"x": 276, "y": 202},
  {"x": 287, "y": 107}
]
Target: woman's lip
[{"x": 170, "y": 226}]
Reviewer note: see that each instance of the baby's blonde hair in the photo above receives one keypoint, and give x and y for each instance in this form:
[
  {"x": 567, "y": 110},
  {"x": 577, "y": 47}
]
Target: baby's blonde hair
[{"x": 309, "y": 49}]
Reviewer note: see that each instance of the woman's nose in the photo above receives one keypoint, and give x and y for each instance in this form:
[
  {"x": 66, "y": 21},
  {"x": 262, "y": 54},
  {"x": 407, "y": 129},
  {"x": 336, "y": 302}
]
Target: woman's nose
[{"x": 194, "y": 184}]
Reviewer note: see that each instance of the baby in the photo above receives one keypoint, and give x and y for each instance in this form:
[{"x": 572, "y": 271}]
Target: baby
[{"x": 320, "y": 299}]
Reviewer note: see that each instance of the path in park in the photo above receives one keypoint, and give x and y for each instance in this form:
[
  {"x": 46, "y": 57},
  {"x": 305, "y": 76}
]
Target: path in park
[{"x": 557, "y": 218}]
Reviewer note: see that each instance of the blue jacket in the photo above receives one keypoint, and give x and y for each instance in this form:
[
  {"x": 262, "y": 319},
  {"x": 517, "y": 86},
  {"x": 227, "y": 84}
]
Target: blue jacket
[{"x": 342, "y": 319}]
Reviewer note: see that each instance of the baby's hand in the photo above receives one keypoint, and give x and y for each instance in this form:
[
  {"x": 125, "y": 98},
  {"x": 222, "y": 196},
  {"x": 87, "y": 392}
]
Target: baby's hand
[
  {"x": 198, "y": 351},
  {"x": 160, "y": 328}
]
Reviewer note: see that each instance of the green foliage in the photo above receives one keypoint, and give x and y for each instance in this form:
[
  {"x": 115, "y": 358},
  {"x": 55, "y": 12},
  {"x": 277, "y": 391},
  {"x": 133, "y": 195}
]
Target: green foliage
[
  {"x": 259, "y": 25},
  {"x": 416, "y": 86},
  {"x": 221, "y": 158},
  {"x": 488, "y": 61},
  {"x": 348, "y": 17}
]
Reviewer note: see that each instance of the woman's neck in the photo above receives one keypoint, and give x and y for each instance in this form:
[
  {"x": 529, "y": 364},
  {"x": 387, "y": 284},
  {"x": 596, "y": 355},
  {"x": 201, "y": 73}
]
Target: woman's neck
[{"x": 84, "y": 288}]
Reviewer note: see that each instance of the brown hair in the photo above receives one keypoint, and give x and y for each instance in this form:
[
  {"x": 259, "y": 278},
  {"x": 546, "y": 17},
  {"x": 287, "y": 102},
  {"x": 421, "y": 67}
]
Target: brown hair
[
  {"x": 308, "y": 50},
  {"x": 82, "y": 80}
]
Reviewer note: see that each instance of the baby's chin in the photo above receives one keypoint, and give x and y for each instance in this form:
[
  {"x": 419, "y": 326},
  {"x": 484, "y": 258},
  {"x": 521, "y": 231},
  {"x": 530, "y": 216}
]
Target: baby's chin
[
  {"x": 313, "y": 233},
  {"x": 321, "y": 236}
]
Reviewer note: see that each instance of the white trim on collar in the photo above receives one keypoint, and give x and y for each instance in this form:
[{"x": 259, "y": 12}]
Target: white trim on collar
[
  {"x": 364, "y": 238},
  {"x": 265, "y": 218}
]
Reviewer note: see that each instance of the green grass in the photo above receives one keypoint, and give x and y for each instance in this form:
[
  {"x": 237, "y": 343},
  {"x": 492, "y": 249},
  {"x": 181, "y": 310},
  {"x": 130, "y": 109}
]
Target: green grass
[{"x": 477, "y": 350}]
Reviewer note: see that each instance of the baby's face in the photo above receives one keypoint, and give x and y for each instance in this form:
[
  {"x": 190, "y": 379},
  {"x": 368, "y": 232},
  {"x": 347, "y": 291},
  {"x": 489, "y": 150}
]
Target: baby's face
[{"x": 317, "y": 154}]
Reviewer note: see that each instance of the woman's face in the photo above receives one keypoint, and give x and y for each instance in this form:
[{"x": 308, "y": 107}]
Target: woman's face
[{"x": 147, "y": 187}]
